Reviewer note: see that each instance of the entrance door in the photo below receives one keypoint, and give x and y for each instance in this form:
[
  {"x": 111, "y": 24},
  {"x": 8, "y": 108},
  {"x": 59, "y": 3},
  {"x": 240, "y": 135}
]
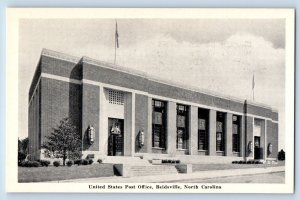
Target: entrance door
[
  {"x": 257, "y": 147},
  {"x": 115, "y": 137}
]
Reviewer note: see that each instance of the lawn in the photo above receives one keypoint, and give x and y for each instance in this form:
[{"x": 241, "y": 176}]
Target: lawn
[
  {"x": 208, "y": 167},
  {"x": 51, "y": 173}
]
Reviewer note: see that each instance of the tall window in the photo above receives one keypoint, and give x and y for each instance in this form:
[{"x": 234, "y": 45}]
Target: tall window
[
  {"x": 235, "y": 133},
  {"x": 202, "y": 129},
  {"x": 182, "y": 127},
  {"x": 220, "y": 132},
  {"x": 158, "y": 124}
]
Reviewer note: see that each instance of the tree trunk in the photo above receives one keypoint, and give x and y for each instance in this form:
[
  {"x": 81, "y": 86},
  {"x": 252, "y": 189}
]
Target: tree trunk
[{"x": 64, "y": 159}]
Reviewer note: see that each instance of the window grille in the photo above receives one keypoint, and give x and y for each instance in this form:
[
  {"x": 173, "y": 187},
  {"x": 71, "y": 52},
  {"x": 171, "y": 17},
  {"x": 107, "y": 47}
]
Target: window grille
[{"x": 116, "y": 97}]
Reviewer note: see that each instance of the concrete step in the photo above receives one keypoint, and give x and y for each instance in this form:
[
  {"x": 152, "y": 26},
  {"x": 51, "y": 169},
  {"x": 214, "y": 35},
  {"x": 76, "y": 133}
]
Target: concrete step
[
  {"x": 152, "y": 170},
  {"x": 136, "y": 161}
]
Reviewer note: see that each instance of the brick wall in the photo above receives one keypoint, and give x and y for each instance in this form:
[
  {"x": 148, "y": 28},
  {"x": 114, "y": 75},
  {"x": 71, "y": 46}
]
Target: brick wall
[
  {"x": 81, "y": 102},
  {"x": 258, "y": 110},
  {"x": 272, "y": 137},
  {"x": 108, "y": 75},
  {"x": 90, "y": 115},
  {"x": 249, "y": 136},
  {"x": 141, "y": 121},
  {"x": 34, "y": 122},
  {"x": 61, "y": 67},
  {"x": 35, "y": 79},
  {"x": 274, "y": 115},
  {"x": 114, "y": 77},
  {"x": 59, "y": 100}
]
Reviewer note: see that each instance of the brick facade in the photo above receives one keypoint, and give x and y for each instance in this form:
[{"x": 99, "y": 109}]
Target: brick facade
[
  {"x": 272, "y": 138},
  {"x": 90, "y": 115},
  {"x": 141, "y": 122},
  {"x": 71, "y": 87}
]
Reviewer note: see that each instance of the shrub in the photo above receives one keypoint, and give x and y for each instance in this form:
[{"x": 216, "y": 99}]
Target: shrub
[
  {"x": 30, "y": 157},
  {"x": 78, "y": 162},
  {"x": 249, "y": 162},
  {"x": 70, "y": 163},
  {"x": 170, "y": 161},
  {"x": 91, "y": 161},
  {"x": 35, "y": 164},
  {"x": 281, "y": 155},
  {"x": 252, "y": 162},
  {"x": 26, "y": 164},
  {"x": 141, "y": 157},
  {"x": 21, "y": 157},
  {"x": 240, "y": 162},
  {"x": 85, "y": 162},
  {"x": 22, "y": 163},
  {"x": 234, "y": 162},
  {"x": 30, "y": 164},
  {"x": 45, "y": 163},
  {"x": 56, "y": 163},
  {"x": 99, "y": 161},
  {"x": 256, "y": 162}
]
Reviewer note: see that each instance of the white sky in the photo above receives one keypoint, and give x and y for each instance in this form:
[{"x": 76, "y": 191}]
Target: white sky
[{"x": 217, "y": 55}]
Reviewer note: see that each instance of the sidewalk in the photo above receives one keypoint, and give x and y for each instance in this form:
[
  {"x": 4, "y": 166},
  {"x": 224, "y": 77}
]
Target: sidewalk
[{"x": 178, "y": 177}]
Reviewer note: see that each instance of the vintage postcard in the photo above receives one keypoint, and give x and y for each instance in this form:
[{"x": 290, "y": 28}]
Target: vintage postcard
[{"x": 150, "y": 100}]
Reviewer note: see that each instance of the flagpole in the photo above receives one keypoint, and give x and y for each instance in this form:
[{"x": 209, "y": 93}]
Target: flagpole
[
  {"x": 253, "y": 86},
  {"x": 115, "y": 43},
  {"x": 253, "y": 94}
]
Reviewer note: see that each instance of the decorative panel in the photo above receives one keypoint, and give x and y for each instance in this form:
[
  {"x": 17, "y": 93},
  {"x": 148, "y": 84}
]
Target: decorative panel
[
  {"x": 202, "y": 124},
  {"x": 180, "y": 121},
  {"x": 219, "y": 126}
]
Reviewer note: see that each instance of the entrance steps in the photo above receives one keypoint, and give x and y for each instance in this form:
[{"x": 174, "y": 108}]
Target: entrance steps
[
  {"x": 135, "y": 166},
  {"x": 146, "y": 170},
  {"x": 153, "y": 170},
  {"x": 134, "y": 161}
]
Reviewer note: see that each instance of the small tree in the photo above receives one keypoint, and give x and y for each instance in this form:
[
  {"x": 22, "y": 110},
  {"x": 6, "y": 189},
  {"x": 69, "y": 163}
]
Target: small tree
[
  {"x": 19, "y": 145},
  {"x": 65, "y": 140},
  {"x": 281, "y": 155},
  {"x": 23, "y": 145},
  {"x": 21, "y": 157}
]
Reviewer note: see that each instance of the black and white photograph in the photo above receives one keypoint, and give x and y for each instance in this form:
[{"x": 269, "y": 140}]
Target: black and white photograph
[{"x": 151, "y": 100}]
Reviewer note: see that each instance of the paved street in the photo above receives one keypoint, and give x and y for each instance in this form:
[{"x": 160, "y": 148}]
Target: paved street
[{"x": 277, "y": 177}]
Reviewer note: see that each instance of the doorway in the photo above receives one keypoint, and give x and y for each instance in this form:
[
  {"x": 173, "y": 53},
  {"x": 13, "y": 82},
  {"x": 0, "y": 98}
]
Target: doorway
[
  {"x": 115, "y": 137},
  {"x": 257, "y": 149}
]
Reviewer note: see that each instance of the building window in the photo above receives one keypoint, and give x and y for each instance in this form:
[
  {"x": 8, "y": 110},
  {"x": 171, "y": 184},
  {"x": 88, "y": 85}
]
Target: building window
[
  {"x": 235, "y": 133},
  {"x": 115, "y": 97},
  {"x": 182, "y": 127},
  {"x": 220, "y": 132},
  {"x": 202, "y": 129},
  {"x": 158, "y": 124}
]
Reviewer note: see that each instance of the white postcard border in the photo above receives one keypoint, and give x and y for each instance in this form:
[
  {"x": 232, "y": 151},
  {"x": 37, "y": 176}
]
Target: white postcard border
[{"x": 15, "y": 14}]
